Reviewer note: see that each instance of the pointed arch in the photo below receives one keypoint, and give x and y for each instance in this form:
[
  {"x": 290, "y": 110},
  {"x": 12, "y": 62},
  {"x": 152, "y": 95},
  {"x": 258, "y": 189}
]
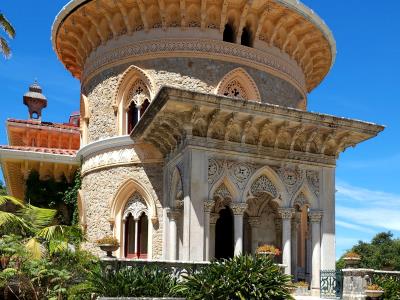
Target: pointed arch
[
  {"x": 224, "y": 182},
  {"x": 119, "y": 205},
  {"x": 266, "y": 180},
  {"x": 239, "y": 84},
  {"x": 309, "y": 197},
  {"x": 133, "y": 89},
  {"x": 126, "y": 190}
]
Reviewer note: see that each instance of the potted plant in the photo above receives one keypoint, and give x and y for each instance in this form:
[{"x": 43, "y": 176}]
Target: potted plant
[
  {"x": 374, "y": 291},
  {"x": 352, "y": 259},
  {"x": 268, "y": 250},
  {"x": 388, "y": 264},
  {"x": 108, "y": 244}
]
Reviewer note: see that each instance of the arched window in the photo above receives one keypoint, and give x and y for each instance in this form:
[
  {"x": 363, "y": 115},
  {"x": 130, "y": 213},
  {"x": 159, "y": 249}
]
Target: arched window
[
  {"x": 239, "y": 84},
  {"x": 138, "y": 101},
  {"x": 246, "y": 39},
  {"x": 136, "y": 227},
  {"x": 229, "y": 34}
]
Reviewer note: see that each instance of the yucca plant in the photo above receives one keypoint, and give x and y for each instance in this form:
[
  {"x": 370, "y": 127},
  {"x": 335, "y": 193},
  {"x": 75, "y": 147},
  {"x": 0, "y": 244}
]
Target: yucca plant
[{"x": 239, "y": 278}]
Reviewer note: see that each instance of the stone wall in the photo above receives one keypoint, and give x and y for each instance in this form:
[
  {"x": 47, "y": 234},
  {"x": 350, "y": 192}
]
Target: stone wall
[
  {"x": 100, "y": 187},
  {"x": 196, "y": 74}
]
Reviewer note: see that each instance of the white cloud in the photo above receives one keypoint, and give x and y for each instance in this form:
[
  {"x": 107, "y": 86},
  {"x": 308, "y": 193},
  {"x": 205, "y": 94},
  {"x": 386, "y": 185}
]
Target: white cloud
[
  {"x": 367, "y": 210},
  {"x": 354, "y": 227}
]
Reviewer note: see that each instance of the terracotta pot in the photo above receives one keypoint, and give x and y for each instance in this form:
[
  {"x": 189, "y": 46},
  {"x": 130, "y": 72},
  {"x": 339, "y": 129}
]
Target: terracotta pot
[
  {"x": 352, "y": 261},
  {"x": 374, "y": 294},
  {"x": 109, "y": 249}
]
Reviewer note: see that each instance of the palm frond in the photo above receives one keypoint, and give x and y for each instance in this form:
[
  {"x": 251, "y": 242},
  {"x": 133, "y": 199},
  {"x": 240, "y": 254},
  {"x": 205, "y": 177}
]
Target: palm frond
[
  {"x": 4, "y": 48},
  {"x": 9, "y": 199},
  {"x": 58, "y": 246},
  {"x": 38, "y": 217},
  {"x": 35, "y": 248},
  {"x": 6, "y": 26},
  {"x": 49, "y": 233},
  {"x": 9, "y": 222}
]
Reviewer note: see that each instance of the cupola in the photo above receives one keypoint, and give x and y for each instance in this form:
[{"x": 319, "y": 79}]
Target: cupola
[{"x": 35, "y": 101}]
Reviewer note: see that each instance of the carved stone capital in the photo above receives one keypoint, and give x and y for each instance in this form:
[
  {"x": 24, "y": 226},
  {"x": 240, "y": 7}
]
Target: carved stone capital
[
  {"x": 173, "y": 214},
  {"x": 254, "y": 222},
  {"x": 213, "y": 218},
  {"x": 315, "y": 216},
  {"x": 286, "y": 213},
  {"x": 239, "y": 208},
  {"x": 209, "y": 205}
]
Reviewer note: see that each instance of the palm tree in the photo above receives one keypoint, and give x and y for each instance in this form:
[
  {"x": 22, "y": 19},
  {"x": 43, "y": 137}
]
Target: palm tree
[
  {"x": 37, "y": 226},
  {"x": 10, "y": 31}
]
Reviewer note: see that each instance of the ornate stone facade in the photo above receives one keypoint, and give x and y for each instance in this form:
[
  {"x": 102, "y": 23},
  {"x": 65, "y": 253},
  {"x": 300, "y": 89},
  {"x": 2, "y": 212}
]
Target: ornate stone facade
[{"x": 224, "y": 156}]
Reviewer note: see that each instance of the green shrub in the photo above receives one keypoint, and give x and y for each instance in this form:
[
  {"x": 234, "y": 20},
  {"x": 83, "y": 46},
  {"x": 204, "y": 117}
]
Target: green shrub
[
  {"x": 391, "y": 286},
  {"x": 243, "y": 277},
  {"x": 129, "y": 282}
]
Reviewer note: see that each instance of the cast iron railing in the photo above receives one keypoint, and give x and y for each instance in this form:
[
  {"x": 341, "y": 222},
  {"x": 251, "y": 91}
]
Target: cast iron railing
[{"x": 331, "y": 284}]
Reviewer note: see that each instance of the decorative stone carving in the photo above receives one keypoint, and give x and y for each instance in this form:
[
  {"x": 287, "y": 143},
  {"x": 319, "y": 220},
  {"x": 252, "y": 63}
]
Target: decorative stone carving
[
  {"x": 174, "y": 214},
  {"x": 315, "y": 216},
  {"x": 313, "y": 181},
  {"x": 235, "y": 90},
  {"x": 300, "y": 200},
  {"x": 264, "y": 185},
  {"x": 254, "y": 221},
  {"x": 238, "y": 208},
  {"x": 286, "y": 213},
  {"x": 222, "y": 192},
  {"x": 214, "y": 170},
  {"x": 214, "y": 218},
  {"x": 138, "y": 94},
  {"x": 208, "y": 206},
  {"x": 135, "y": 206}
]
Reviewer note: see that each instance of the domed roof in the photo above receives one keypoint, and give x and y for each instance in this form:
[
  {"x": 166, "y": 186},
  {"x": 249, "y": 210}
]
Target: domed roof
[
  {"x": 35, "y": 91},
  {"x": 83, "y": 26}
]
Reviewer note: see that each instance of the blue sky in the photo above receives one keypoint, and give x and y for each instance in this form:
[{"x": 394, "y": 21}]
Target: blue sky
[{"x": 363, "y": 84}]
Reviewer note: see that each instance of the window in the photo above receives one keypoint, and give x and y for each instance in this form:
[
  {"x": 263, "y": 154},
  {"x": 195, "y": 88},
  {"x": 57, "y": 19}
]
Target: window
[
  {"x": 246, "y": 39},
  {"x": 138, "y": 100},
  {"x": 229, "y": 34},
  {"x": 132, "y": 117}
]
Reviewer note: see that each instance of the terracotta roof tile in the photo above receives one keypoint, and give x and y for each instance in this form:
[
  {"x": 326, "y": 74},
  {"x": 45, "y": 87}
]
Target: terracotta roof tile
[
  {"x": 41, "y": 150},
  {"x": 45, "y": 124}
]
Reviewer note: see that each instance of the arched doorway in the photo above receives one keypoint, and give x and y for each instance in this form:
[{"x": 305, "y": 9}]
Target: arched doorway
[{"x": 224, "y": 244}]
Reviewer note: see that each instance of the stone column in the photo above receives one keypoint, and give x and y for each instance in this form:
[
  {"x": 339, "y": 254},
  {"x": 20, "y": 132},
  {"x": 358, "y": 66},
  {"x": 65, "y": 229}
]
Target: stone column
[
  {"x": 315, "y": 219},
  {"x": 173, "y": 233},
  {"x": 208, "y": 206},
  {"x": 213, "y": 221},
  {"x": 136, "y": 237},
  {"x": 286, "y": 215},
  {"x": 238, "y": 211},
  {"x": 278, "y": 232},
  {"x": 295, "y": 254},
  {"x": 254, "y": 223}
]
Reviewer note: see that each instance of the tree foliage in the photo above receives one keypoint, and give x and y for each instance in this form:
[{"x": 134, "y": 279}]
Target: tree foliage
[
  {"x": 9, "y": 30},
  {"x": 382, "y": 252}
]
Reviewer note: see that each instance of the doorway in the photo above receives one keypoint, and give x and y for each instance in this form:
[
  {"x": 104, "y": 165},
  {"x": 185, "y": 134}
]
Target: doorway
[{"x": 224, "y": 246}]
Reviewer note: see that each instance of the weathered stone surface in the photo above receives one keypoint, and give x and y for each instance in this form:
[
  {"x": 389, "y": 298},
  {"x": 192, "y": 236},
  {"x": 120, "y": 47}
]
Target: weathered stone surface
[{"x": 100, "y": 188}]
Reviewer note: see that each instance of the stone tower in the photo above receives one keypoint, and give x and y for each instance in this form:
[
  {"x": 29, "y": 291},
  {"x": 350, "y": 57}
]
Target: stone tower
[{"x": 35, "y": 101}]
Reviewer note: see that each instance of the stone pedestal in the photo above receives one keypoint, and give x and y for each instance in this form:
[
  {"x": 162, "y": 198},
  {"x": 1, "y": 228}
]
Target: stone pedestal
[{"x": 355, "y": 282}]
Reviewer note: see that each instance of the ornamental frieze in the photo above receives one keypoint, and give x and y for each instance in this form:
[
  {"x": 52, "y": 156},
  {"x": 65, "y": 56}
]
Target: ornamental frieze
[{"x": 200, "y": 48}]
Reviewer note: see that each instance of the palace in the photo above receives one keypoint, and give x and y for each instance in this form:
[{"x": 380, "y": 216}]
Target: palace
[{"x": 195, "y": 139}]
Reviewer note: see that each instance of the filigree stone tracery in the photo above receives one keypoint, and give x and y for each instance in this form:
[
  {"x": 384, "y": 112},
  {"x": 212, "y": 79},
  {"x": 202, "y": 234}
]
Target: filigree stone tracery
[
  {"x": 138, "y": 93},
  {"x": 235, "y": 90},
  {"x": 222, "y": 192},
  {"x": 135, "y": 206},
  {"x": 313, "y": 181},
  {"x": 264, "y": 185}
]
